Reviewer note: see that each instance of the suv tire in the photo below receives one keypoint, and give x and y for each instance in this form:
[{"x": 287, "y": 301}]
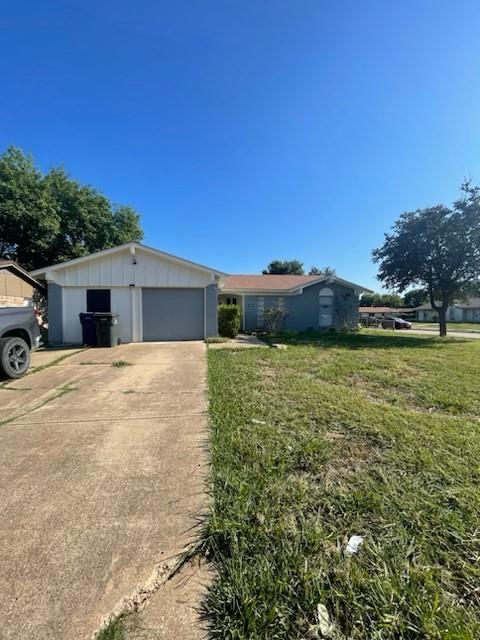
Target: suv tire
[{"x": 14, "y": 357}]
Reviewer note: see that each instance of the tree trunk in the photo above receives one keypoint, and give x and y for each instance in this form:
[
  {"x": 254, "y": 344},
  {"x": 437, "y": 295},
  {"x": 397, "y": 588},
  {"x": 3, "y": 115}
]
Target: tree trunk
[{"x": 442, "y": 321}]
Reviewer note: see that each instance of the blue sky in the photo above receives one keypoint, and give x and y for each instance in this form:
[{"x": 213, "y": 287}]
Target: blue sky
[{"x": 245, "y": 131}]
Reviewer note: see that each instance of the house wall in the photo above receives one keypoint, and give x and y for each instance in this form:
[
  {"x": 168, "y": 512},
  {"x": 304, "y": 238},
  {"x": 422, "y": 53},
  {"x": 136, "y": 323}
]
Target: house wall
[
  {"x": 55, "y": 313},
  {"x": 302, "y": 310},
  {"x": 471, "y": 315},
  {"x": 68, "y": 292},
  {"x": 211, "y": 313},
  {"x": 119, "y": 269},
  {"x": 13, "y": 290},
  {"x": 74, "y": 302}
]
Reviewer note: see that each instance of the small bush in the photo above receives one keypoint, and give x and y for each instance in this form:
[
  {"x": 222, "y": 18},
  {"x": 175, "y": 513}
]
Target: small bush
[{"x": 228, "y": 320}]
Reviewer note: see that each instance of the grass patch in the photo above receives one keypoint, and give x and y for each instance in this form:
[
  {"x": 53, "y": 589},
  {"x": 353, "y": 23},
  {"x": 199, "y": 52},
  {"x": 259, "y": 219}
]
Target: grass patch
[
  {"x": 114, "y": 631},
  {"x": 216, "y": 340},
  {"x": 121, "y": 363},
  {"x": 376, "y": 435},
  {"x": 473, "y": 327}
]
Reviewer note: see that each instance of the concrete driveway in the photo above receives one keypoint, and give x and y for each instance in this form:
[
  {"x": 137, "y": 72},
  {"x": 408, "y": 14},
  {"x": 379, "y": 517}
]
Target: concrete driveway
[{"x": 102, "y": 470}]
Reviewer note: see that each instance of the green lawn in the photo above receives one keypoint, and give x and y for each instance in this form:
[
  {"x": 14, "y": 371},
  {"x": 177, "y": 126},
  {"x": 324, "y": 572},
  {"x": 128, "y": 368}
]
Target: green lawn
[
  {"x": 451, "y": 326},
  {"x": 377, "y": 435}
]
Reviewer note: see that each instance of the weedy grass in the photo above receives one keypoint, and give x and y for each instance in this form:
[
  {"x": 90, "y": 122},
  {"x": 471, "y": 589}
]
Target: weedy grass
[
  {"x": 473, "y": 327},
  {"x": 370, "y": 434},
  {"x": 121, "y": 363},
  {"x": 114, "y": 631}
]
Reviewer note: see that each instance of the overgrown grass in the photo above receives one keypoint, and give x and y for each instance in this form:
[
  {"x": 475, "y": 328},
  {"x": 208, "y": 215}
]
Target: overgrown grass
[
  {"x": 114, "y": 631},
  {"x": 377, "y": 435}
]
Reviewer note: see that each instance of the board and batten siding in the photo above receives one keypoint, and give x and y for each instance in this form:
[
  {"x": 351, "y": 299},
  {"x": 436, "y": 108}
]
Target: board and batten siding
[
  {"x": 125, "y": 274},
  {"x": 74, "y": 302},
  {"x": 118, "y": 269}
]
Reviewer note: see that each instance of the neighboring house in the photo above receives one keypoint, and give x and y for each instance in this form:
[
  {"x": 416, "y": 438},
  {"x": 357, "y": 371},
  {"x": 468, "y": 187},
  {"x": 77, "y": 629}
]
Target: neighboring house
[
  {"x": 468, "y": 311},
  {"x": 381, "y": 312},
  {"x": 16, "y": 285},
  {"x": 309, "y": 302},
  {"x": 157, "y": 296}
]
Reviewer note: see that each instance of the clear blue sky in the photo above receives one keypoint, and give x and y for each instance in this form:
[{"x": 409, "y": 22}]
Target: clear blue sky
[{"x": 247, "y": 130}]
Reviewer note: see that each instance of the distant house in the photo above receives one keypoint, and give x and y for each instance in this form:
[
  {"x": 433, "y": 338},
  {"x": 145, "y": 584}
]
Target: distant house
[
  {"x": 16, "y": 285},
  {"x": 381, "y": 312},
  {"x": 468, "y": 311},
  {"x": 309, "y": 302}
]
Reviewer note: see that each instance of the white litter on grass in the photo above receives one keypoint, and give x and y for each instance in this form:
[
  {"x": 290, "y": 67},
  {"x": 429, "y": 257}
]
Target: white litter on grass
[
  {"x": 255, "y": 421},
  {"x": 353, "y": 545},
  {"x": 325, "y": 626}
]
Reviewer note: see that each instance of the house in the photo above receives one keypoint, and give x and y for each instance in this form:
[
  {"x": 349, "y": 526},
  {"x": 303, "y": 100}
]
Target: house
[
  {"x": 468, "y": 311},
  {"x": 381, "y": 312},
  {"x": 16, "y": 285},
  {"x": 309, "y": 302},
  {"x": 157, "y": 296}
]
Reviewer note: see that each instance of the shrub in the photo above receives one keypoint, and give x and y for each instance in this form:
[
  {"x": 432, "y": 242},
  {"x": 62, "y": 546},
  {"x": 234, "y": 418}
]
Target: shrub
[
  {"x": 274, "y": 318},
  {"x": 228, "y": 320}
]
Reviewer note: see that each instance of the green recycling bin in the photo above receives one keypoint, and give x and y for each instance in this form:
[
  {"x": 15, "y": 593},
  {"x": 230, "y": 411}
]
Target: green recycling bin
[{"x": 107, "y": 329}]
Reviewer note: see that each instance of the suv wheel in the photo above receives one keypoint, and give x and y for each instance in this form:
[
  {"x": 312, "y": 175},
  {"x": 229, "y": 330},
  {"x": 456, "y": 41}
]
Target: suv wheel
[{"x": 14, "y": 357}]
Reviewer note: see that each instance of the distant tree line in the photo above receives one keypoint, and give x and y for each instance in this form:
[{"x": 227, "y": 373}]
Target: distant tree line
[
  {"x": 49, "y": 217},
  {"x": 295, "y": 267}
]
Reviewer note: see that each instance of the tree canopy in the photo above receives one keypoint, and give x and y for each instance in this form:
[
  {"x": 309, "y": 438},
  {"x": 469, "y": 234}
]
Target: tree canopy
[
  {"x": 48, "y": 218},
  {"x": 328, "y": 272},
  {"x": 415, "y": 297},
  {"x": 437, "y": 249},
  {"x": 293, "y": 267},
  {"x": 381, "y": 300}
]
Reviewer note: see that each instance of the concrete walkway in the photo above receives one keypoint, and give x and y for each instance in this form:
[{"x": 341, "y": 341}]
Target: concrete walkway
[{"x": 102, "y": 472}]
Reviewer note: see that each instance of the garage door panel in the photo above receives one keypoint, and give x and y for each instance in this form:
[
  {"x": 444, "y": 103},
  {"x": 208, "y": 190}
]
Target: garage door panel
[{"x": 172, "y": 314}]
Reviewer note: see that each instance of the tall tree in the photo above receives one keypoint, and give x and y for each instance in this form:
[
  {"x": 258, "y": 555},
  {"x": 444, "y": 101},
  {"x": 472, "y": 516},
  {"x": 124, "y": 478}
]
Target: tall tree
[
  {"x": 293, "y": 267},
  {"x": 415, "y": 297},
  {"x": 328, "y": 272},
  {"x": 381, "y": 300},
  {"x": 437, "y": 248},
  {"x": 50, "y": 218}
]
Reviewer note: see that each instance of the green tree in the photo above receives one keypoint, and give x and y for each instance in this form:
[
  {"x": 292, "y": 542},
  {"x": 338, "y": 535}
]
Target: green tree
[
  {"x": 415, "y": 297},
  {"x": 381, "y": 300},
  {"x": 29, "y": 222},
  {"x": 50, "y": 218},
  {"x": 294, "y": 267},
  {"x": 437, "y": 248},
  {"x": 328, "y": 272}
]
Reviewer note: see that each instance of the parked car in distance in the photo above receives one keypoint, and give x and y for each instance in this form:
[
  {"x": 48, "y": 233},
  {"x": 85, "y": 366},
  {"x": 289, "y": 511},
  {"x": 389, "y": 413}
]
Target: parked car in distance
[
  {"x": 395, "y": 323},
  {"x": 19, "y": 335}
]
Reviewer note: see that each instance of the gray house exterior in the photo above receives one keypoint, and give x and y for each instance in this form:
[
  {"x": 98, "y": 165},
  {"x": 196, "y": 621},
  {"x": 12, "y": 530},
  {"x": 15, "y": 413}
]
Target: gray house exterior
[
  {"x": 466, "y": 311},
  {"x": 309, "y": 302}
]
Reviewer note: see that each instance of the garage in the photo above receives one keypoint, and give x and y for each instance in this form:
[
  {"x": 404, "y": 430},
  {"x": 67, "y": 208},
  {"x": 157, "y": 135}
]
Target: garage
[
  {"x": 155, "y": 295},
  {"x": 172, "y": 314}
]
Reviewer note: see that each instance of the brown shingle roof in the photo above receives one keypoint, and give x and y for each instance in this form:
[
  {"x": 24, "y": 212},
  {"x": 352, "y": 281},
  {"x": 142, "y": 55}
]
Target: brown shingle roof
[{"x": 267, "y": 282}]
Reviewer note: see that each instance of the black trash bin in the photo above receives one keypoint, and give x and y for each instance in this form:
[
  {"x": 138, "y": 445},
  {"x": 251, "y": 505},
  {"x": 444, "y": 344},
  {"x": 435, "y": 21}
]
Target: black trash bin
[
  {"x": 107, "y": 329},
  {"x": 89, "y": 329}
]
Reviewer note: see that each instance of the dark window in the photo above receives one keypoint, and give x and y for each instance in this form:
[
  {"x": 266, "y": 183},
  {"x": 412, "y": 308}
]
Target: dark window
[
  {"x": 234, "y": 301},
  {"x": 98, "y": 300},
  {"x": 228, "y": 300}
]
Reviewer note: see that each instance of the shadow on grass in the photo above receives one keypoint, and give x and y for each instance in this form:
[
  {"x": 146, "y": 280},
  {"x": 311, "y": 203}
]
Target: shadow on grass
[{"x": 359, "y": 340}]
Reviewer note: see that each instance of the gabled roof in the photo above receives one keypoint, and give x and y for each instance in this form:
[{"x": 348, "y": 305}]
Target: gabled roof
[
  {"x": 132, "y": 246},
  {"x": 270, "y": 283},
  {"x": 17, "y": 270}
]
